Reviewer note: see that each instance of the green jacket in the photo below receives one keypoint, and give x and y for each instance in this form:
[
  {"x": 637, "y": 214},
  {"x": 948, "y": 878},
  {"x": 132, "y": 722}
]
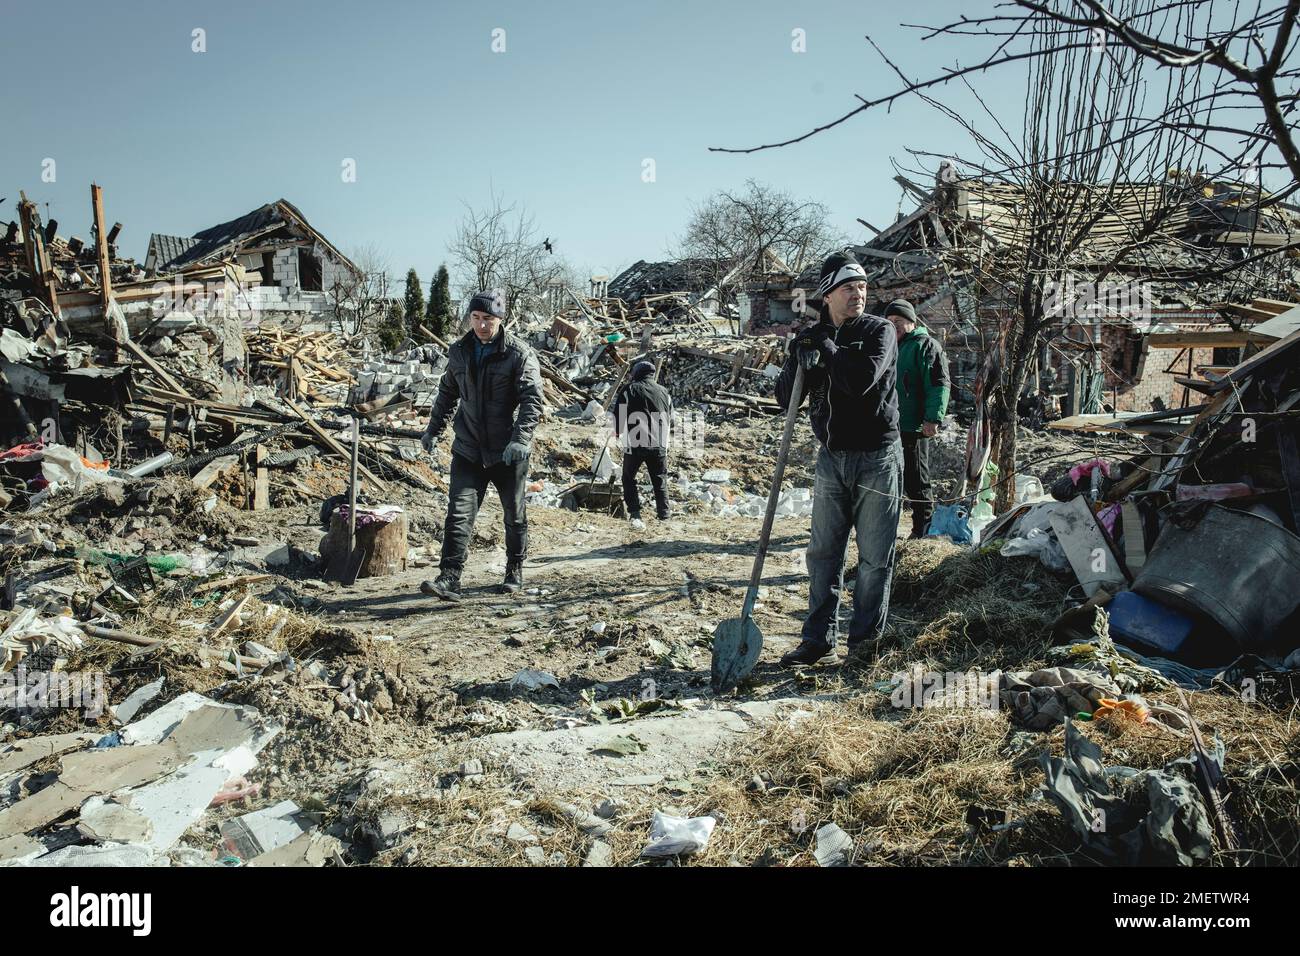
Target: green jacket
[{"x": 922, "y": 382}]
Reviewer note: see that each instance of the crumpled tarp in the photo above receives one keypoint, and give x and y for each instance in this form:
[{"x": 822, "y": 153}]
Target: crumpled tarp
[{"x": 1164, "y": 822}]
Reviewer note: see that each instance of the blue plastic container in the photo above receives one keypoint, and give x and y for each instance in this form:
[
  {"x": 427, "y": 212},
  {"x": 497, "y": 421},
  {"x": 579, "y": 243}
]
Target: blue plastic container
[{"x": 1138, "y": 619}]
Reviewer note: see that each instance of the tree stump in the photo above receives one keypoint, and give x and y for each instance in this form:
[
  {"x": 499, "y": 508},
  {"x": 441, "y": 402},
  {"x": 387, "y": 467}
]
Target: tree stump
[{"x": 383, "y": 542}]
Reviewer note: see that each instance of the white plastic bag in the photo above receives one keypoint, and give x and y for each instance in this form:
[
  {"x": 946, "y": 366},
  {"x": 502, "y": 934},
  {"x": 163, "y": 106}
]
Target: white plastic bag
[{"x": 670, "y": 836}]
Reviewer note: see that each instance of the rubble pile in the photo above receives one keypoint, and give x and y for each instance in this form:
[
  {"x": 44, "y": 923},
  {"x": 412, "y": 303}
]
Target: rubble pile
[
  {"x": 175, "y": 479},
  {"x": 1192, "y": 545}
]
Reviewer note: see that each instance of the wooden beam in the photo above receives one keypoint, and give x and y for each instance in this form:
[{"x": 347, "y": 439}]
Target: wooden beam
[
  {"x": 38, "y": 260},
  {"x": 1273, "y": 306},
  {"x": 327, "y": 441},
  {"x": 261, "y": 484},
  {"x": 214, "y": 470},
  {"x": 101, "y": 248},
  {"x": 1262, "y": 239},
  {"x": 1210, "y": 339},
  {"x": 158, "y": 370}
]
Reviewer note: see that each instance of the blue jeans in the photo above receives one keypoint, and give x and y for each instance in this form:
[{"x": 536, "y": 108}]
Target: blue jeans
[{"x": 859, "y": 490}]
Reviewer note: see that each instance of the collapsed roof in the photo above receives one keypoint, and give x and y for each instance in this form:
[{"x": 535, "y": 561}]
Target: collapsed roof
[
  {"x": 267, "y": 225},
  {"x": 1180, "y": 235},
  {"x": 656, "y": 278}
]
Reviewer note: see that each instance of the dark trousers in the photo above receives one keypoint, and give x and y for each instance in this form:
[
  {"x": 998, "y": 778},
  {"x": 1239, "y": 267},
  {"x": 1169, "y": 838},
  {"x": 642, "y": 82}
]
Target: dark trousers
[
  {"x": 656, "y": 463},
  {"x": 469, "y": 482},
  {"x": 917, "y": 488}
]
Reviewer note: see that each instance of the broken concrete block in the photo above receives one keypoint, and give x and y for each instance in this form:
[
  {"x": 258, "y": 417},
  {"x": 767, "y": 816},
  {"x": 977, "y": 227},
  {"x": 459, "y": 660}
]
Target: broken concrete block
[
  {"x": 517, "y": 834},
  {"x": 600, "y": 854}
]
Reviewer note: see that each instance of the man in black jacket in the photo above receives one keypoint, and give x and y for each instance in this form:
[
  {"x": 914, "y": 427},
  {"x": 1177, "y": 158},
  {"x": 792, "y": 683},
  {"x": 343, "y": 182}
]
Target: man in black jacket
[
  {"x": 848, "y": 358},
  {"x": 642, "y": 414},
  {"x": 494, "y": 385}
]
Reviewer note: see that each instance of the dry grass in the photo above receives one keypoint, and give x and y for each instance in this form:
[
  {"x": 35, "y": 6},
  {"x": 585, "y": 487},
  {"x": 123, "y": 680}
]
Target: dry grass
[{"x": 900, "y": 782}]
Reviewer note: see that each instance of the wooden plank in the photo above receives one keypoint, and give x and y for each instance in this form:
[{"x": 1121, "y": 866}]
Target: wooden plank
[
  {"x": 1262, "y": 239},
  {"x": 171, "y": 383},
  {"x": 1212, "y": 339},
  {"x": 261, "y": 484},
  {"x": 165, "y": 396},
  {"x": 1259, "y": 358},
  {"x": 437, "y": 341},
  {"x": 101, "y": 249},
  {"x": 328, "y": 442},
  {"x": 1201, "y": 385},
  {"x": 1274, "y": 306},
  {"x": 214, "y": 470},
  {"x": 224, "y": 621}
]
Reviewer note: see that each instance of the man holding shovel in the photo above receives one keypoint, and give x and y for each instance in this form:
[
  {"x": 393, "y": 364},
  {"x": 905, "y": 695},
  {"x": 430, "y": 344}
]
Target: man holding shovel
[
  {"x": 493, "y": 384},
  {"x": 848, "y": 359}
]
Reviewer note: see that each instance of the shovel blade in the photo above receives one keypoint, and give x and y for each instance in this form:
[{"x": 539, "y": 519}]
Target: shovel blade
[{"x": 736, "y": 645}]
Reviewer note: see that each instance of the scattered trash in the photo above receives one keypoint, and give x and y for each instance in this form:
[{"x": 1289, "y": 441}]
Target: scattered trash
[
  {"x": 1166, "y": 826},
  {"x": 532, "y": 679},
  {"x": 671, "y": 836}
]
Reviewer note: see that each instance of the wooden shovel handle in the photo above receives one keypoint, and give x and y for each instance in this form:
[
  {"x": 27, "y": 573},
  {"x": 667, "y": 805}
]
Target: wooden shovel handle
[{"x": 796, "y": 396}]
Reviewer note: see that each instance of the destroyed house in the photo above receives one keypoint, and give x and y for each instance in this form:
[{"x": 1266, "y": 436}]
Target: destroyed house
[
  {"x": 292, "y": 264},
  {"x": 1157, "y": 258},
  {"x": 695, "y": 278}
]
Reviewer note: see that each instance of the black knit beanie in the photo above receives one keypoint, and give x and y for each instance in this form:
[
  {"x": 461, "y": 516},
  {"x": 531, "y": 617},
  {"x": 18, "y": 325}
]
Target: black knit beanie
[
  {"x": 839, "y": 268},
  {"x": 901, "y": 307}
]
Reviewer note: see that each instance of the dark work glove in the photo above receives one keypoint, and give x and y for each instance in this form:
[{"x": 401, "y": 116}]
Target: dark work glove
[
  {"x": 807, "y": 354},
  {"x": 822, "y": 335}
]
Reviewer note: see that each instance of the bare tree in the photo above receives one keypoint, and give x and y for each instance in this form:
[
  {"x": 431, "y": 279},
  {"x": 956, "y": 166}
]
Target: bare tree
[
  {"x": 1233, "y": 74},
  {"x": 1099, "y": 136},
  {"x": 733, "y": 230},
  {"x": 359, "y": 300},
  {"x": 499, "y": 247}
]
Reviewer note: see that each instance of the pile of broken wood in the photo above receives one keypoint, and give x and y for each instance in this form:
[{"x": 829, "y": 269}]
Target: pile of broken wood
[{"x": 301, "y": 364}]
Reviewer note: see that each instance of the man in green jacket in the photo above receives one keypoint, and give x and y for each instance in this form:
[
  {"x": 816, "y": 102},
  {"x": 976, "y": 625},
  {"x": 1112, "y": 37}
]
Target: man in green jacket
[{"x": 922, "y": 385}]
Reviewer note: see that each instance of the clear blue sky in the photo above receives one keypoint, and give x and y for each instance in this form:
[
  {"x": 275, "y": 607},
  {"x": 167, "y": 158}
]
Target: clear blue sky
[{"x": 560, "y": 122}]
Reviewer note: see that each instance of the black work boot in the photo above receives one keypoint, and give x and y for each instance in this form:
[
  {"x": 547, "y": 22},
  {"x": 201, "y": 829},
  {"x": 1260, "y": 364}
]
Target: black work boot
[
  {"x": 447, "y": 586},
  {"x": 514, "y": 577},
  {"x": 809, "y": 653},
  {"x": 920, "y": 524}
]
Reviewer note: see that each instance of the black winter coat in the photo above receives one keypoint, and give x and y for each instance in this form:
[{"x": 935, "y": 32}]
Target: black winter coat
[
  {"x": 642, "y": 413},
  {"x": 851, "y": 400},
  {"x": 485, "y": 404}
]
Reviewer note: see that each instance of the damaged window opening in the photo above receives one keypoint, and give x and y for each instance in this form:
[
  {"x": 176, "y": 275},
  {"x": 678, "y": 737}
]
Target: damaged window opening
[{"x": 309, "y": 271}]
